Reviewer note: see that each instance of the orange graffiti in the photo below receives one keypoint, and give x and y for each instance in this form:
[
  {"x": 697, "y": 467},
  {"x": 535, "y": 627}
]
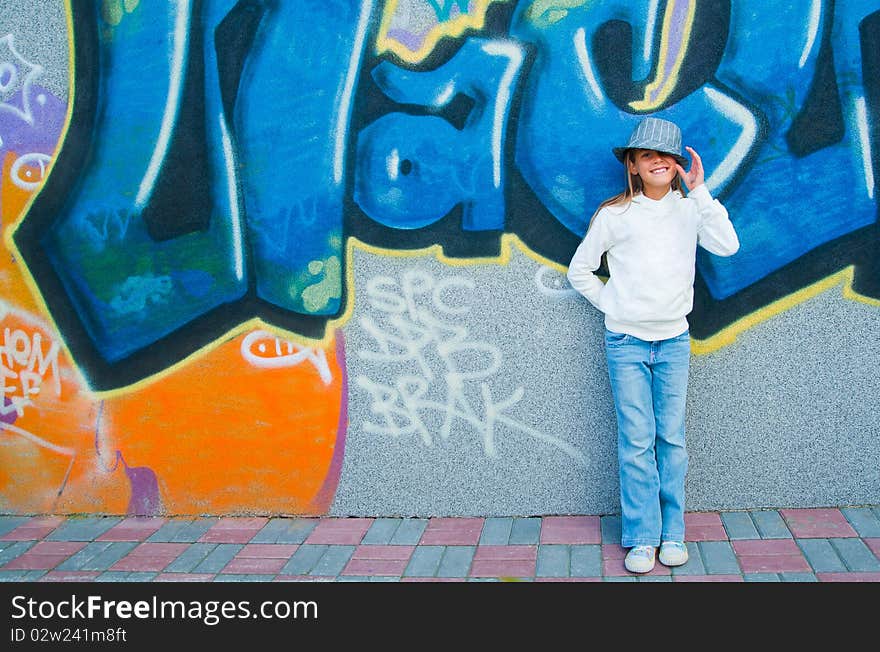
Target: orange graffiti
[{"x": 226, "y": 436}]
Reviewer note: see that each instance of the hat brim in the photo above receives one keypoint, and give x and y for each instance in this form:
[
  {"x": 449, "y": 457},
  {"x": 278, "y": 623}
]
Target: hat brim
[{"x": 620, "y": 153}]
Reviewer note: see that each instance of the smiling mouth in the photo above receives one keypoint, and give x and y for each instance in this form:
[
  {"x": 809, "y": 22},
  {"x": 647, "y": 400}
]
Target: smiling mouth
[{"x": 660, "y": 171}]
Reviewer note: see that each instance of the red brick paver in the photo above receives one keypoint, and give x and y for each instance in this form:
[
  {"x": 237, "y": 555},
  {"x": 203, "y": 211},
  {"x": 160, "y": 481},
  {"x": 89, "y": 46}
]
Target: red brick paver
[
  {"x": 138, "y": 528},
  {"x": 704, "y": 527},
  {"x": 45, "y": 555},
  {"x": 820, "y": 523},
  {"x": 340, "y": 531},
  {"x": 34, "y": 529},
  {"x": 452, "y": 532},
  {"x": 233, "y": 530},
  {"x": 612, "y": 562},
  {"x": 504, "y": 561},
  {"x": 379, "y": 560},
  {"x": 150, "y": 557},
  {"x": 770, "y": 556},
  {"x": 849, "y": 577},
  {"x": 571, "y": 529}
]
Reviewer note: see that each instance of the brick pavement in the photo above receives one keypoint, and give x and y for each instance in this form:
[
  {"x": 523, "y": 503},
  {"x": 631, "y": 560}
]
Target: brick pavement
[{"x": 840, "y": 544}]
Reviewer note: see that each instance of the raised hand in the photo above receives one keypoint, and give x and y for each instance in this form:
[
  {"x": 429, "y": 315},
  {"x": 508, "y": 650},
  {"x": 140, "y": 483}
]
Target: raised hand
[{"x": 693, "y": 177}]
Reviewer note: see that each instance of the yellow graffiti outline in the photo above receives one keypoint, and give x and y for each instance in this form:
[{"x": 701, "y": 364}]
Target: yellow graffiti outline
[
  {"x": 663, "y": 84},
  {"x": 453, "y": 28}
]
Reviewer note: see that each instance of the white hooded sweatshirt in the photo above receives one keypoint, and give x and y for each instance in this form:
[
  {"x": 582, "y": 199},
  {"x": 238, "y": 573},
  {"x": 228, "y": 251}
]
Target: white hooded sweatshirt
[{"x": 651, "y": 248}]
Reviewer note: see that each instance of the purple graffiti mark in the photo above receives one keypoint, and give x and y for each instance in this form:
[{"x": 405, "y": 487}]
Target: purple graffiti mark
[
  {"x": 325, "y": 494},
  {"x": 145, "y": 499},
  {"x": 7, "y": 415},
  {"x": 39, "y": 135}
]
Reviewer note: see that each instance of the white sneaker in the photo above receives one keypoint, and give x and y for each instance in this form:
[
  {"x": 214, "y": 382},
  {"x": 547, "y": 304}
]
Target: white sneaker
[
  {"x": 673, "y": 553},
  {"x": 639, "y": 559}
]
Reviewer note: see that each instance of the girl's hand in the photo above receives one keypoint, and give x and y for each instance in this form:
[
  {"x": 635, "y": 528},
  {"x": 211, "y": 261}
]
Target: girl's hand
[{"x": 693, "y": 177}]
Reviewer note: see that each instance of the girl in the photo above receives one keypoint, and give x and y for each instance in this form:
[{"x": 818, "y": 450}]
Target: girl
[{"x": 649, "y": 235}]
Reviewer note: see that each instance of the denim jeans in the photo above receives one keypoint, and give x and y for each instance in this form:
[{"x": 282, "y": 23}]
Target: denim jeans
[{"x": 649, "y": 382}]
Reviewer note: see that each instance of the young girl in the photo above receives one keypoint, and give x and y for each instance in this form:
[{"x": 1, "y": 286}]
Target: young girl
[{"x": 649, "y": 234}]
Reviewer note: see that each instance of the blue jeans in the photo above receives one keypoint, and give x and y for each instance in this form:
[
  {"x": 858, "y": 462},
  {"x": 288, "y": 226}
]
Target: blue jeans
[{"x": 649, "y": 382}]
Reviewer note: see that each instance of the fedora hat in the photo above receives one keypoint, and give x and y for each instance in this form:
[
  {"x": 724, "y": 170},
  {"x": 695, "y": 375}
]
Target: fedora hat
[{"x": 656, "y": 134}]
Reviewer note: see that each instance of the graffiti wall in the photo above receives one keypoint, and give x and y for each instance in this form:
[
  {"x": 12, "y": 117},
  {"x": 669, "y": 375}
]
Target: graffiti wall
[{"x": 309, "y": 257}]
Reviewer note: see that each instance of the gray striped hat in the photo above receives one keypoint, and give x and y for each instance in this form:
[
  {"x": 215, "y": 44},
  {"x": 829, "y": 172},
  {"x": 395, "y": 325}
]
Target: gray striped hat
[{"x": 654, "y": 133}]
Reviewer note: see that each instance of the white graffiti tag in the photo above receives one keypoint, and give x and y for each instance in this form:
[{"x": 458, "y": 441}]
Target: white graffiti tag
[
  {"x": 263, "y": 349},
  {"x": 439, "y": 376},
  {"x": 24, "y": 365}
]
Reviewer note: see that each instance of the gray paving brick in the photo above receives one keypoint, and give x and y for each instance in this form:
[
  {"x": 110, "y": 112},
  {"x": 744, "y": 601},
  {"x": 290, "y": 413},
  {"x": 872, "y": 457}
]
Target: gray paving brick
[
  {"x": 182, "y": 530},
  {"x": 525, "y": 530},
  {"x": 133, "y": 576},
  {"x": 285, "y": 530},
  {"x": 190, "y": 558},
  {"x": 98, "y": 555},
  {"x": 424, "y": 561},
  {"x": 610, "y": 528},
  {"x": 798, "y": 577},
  {"x": 112, "y": 576},
  {"x": 553, "y": 561},
  {"x": 654, "y": 578},
  {"x": 242, "y": 577},
  {"x": 770, "y": 524},
  {"x": 718, "y": 557},
  {"x": 761, "y": 577},
  {"x": 410, "y": 532},
  {"x": 82, "y": 528},
  {"x": 620, "y": 578},
  {"x": 217, "y": 559},
  {"x": 20, "y": 575},
  {"x": 739, "y": 525},
  {"x": 304, "y": 559},
  {"x": 333, "y": 561},
  {"x": 9, "y": 523},
  {"x": 496, "y": 531},
  {"x": 585, "y": 560},
  {"x": 694, "y": 565},
  {"x": 381, "y": 531},
  {"x": 863, "y": 520},
  {"x": 9, "y": 550},
  {"x": 856, "y": 555},
  {"x": 821, "y": 556},
  {"x": 456, "y": 561},
  {"x": 383, "y": 578}
]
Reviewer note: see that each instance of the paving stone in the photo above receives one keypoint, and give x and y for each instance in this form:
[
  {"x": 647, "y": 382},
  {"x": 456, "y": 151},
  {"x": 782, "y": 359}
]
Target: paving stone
[
  {"x": 9, "y": 550},
  {"x": 424, "y": 561},
  {"x": 496, "y": 531},
  {"x": 798, "y": 577},
  {"x": 863, "y": 520},
  {"x": 856, "y": 555},
  {"x": 232, "y": 577},
  {"x": 410, "y": 532},
  {"x": 620, "y": 578},
  {"x": 761, "y": 577},
  {"x": 610, "y": 527},
  {"x": 216, "y": 560},
  {"x": 821, "y": 556},
  {"x": 9, "y": 523},
  {"x": 694, "y": 565},
  {"x": 655, "y": 578},
  {"x": 525, "y": 530},
  {"x": 304, "y": 559},
  {"x": 381, "y": 531},
  {"x": 333, "y": 561},
  {"x": 456, "y": 561},
  {"x": 553, "y": 561},
  {"x": 770, "y": 524},
  {"x": 97, "y": 556},
  {"x": 739, "y": 525},
  {"x": 718, "y": 557},
  {"x": 182, "y": 531},
  {"x": 285, "y": 530},
  {"x": 190, "y": 558},
  {"x": 86, "y": 528},
  {"x": 585, "y": 560}
]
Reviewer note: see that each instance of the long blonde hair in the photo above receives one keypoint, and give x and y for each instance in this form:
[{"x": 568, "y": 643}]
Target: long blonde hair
[{"x": 633, "y": 186}]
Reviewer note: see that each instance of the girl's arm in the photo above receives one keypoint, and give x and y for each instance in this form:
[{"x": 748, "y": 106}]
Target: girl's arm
[
  {"x": 715, "y": 232},
  {"x": 586, "y": 261}
]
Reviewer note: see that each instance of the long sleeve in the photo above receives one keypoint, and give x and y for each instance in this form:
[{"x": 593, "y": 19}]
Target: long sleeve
[
  {"x": 715, "y": 232},
  {"x": 587, "y": 258}
]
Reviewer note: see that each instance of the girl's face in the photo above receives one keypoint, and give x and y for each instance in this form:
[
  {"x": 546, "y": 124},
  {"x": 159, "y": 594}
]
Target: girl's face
[{"x": 656, "y": 170}]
